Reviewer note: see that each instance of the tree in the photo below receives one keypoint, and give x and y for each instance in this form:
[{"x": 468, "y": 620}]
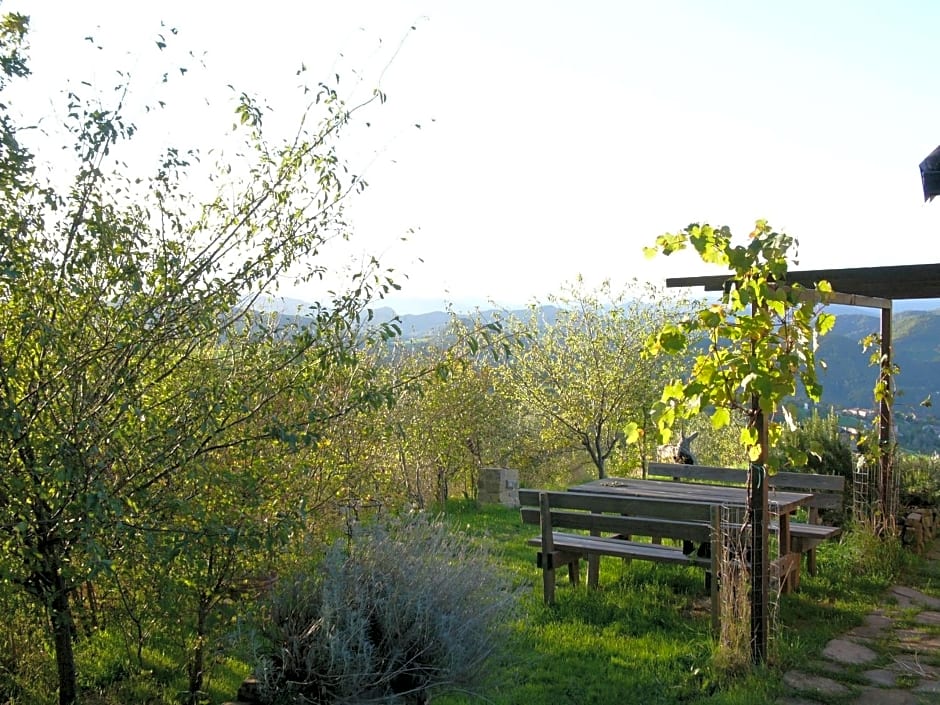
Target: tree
[
  {"x": 456, "y": 423},
  {"x": 131, "y": 362},
  {"x": 584, "y": 374},
  {"x": 826, "y": 449}
]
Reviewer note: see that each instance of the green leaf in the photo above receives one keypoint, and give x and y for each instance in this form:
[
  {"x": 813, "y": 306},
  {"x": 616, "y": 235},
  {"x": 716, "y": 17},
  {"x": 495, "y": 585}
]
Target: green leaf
[
  {"x": 631, "y": 433},
  {"x": 825, "y": 323},
  {"x": 720, "y": 418},
  {"x": 748, "y": 436}
]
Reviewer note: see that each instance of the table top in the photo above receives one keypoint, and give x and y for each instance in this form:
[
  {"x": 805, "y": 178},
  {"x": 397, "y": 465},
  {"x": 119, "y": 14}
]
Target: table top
[{"x": 780, "y": 502}]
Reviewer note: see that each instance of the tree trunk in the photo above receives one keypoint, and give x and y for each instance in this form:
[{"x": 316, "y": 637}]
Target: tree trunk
[
  {"x": 442, "y": 489},
  {"x": 198, "y": 658},
  {"x": 63, "y": 630}
]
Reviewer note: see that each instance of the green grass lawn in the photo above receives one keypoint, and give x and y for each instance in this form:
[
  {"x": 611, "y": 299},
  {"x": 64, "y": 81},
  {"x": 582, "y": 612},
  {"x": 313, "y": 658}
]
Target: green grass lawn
[{"x": 644, "y": 636}]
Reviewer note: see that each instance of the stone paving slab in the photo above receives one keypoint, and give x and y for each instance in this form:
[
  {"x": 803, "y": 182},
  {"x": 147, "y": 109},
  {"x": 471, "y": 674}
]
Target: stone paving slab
[
  {"x": 928, "y": 618},
  {"x": 882, "y": 677},
  {"x": 909, "y": 597},
  {"x": 914, "y": 667},
  {"x": 916, "y": 640},
  {"x": 879, "y": 696},
  {"x": 807, "y": 682},
  {"x": 849, "y": 652},
  {"x": 875, "y": 626},
  {"x": 929, "y": 687}
]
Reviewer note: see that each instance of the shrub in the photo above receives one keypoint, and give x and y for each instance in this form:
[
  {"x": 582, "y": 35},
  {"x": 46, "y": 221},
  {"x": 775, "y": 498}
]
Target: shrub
[
  {"x": 920, "y": 480},
  {"x": 400, "y": 610},
  {"x": 826, "y": 450}
]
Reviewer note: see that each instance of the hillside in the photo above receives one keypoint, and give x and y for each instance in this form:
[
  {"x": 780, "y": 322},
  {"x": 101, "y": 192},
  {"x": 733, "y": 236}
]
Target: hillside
[
  {"x": 848, "y": 376},
  {"x": 849, "y": 379}
]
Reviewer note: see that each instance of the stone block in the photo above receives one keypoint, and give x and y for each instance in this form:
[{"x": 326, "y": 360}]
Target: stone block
[{"x": 499, "y": 486}]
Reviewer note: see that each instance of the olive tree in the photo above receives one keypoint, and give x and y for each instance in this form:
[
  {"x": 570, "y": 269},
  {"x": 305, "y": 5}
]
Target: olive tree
[
  {"x": 583, "y": 373},
  {"x": 447, "y": 429}
]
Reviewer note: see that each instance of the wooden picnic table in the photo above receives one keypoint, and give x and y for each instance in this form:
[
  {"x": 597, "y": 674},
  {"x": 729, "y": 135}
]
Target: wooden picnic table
[{"x": 780, "y": 503}]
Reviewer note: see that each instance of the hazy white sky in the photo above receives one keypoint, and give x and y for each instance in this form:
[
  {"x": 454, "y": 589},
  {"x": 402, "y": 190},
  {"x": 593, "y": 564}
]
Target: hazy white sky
[{"x": 567, "y": 135}]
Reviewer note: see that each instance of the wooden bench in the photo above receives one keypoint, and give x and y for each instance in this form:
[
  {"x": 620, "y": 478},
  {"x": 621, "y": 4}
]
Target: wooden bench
[
  {"x": 827, "y": 491},
  {"x": 697, "y": 473},
  {"x": 606, "y": 524}
]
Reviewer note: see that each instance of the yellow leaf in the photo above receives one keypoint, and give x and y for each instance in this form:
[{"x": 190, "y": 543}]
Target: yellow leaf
[{"x": 721, "y": 418}]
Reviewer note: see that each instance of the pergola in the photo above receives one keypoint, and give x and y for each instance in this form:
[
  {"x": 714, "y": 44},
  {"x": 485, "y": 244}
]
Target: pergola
[{"x": 871, "y": 287}]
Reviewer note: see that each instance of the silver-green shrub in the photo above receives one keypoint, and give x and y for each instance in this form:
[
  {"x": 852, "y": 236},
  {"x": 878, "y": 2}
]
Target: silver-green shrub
[{"x": 401, "y": 610}]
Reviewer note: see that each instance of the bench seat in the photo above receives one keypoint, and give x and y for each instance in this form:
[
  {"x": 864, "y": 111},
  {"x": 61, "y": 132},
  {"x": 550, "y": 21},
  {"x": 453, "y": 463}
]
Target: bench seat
[
  {"x": 828, "y": 494},
  {"x": 813, "y": 532},
  {"x": 618, "y": 547}
]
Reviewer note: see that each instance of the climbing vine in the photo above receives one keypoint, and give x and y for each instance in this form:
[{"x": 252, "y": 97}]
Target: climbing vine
[{"x": 759, "y": 339}]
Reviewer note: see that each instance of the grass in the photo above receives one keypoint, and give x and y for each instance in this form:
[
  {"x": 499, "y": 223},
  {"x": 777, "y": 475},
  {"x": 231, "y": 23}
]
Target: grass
[
  {"x": 644, "y": 636},
  {"x": 109, "y": 675}
]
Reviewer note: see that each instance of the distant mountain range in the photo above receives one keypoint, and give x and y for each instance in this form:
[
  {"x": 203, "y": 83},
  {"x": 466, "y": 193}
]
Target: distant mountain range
[{"x": 848, "y": 379}]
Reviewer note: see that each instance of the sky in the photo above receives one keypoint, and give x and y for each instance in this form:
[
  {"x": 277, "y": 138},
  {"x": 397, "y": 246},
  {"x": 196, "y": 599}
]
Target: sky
[{"x": 557, "y": 139}]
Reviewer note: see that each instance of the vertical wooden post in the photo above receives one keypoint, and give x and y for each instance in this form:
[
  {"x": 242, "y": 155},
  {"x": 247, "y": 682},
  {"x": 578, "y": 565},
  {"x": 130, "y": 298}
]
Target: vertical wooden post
[
  {"x": 760, "y": 578},
  {"x": 548, "y": 550},
  {"x": 885, "y": 481},
  {"x": 594, "y": 564}
]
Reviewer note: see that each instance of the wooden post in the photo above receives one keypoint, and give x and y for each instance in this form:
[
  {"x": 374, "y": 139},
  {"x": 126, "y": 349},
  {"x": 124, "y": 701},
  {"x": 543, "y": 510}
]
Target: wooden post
[
  {"x": 885, "y": 481},
  {"x": 760, "y": 578},
  {"x": 548, "y": 550},
  {"x": 594, "y": 566}
]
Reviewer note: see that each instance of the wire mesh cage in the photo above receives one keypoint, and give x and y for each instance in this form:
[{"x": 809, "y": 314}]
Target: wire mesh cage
[
  {"x": 876, "y": 494},
  {"x": 737, "y": 574}
]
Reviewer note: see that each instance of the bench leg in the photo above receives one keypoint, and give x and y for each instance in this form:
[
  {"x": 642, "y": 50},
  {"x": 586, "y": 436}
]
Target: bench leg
[
  {"x": 594, "y": 569},
  {"x": 548, "y": 585},
  {"x": 574, "y": 572},
  {"x": 790, "y": 567},
  {"x": 549, "y": 563},
  {"x": 807, "y": 546}
]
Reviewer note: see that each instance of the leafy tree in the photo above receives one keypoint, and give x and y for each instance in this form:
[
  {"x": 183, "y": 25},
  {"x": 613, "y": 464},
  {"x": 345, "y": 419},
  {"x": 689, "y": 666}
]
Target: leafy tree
[
  {"x": 583, "y": 373},
  {"x": 448, "y": 428},
  {"x": 447, "y": 419},
  {"x": 131, "y": 363}
]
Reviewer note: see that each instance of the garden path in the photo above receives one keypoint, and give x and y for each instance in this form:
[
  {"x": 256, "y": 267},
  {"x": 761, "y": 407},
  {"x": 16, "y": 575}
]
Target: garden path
[{"x": 891, "y": 659}]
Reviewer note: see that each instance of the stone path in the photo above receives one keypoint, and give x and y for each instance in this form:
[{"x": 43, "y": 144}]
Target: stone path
[{"x": 891, "y": 659}]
